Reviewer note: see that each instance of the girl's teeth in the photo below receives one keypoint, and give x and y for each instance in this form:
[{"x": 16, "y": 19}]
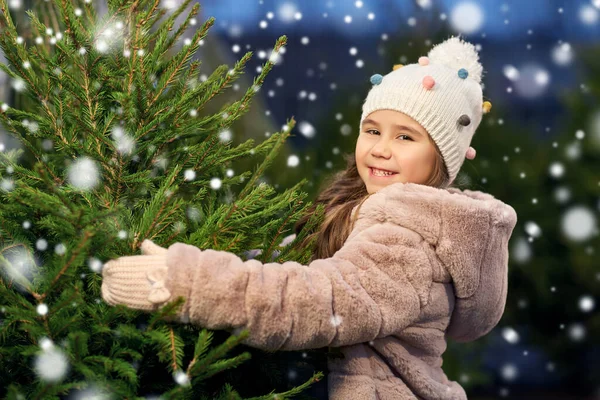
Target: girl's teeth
[{"x": 381, "y": 173}]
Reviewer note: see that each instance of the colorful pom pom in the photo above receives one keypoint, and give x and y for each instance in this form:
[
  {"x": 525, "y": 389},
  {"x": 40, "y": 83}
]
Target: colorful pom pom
[
  {"x": 428, "y": 82},
  {"x": 471, "y": 153},
  {"x": 423, "y": 60},
  {"x": 487, "y": 106},
  {"x": 397, "y": 66},
  {"x": 376, "y": 79},
  {"x": 463, "y": 73},
  {"x": 464, "y": 120},
  {"x": 455, "y": 53}
]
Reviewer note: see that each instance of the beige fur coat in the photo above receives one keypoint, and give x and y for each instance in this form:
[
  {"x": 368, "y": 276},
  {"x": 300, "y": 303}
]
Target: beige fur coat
[{"x": 421, "y": 264}]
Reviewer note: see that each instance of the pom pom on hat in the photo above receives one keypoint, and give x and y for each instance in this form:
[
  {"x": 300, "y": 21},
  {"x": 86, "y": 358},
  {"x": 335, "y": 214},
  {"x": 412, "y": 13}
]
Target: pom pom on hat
[
  {"x": 376, "y": 79},
  {"x": 457, "y": 54},
  {"x": 487, "y": 106},
  {"x": 471, "y": 153},
  {"x": 428, "y": 82}
]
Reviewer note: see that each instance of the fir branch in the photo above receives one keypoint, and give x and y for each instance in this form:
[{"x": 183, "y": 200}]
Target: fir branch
[
  {"x": 183, "y": 83},
  {"x": 74, "y": 30},
  {"x": 237, "y": 70},
  {"x": 26, "y": 142},
  {"x": 87, "y": 234},
  {"x": 219, "y": 352},
  {"x": 12, "y": 272},
  {"x": 146, "y": 18},
  {"x": 53, "y": 15},
  {"x": 6, "y": 20},
  {"x": 282, "y": 225},
  {"x": 134, "y": 48},
  {"x": 176, "y": 63},
  {"x": 156, "y": 208},
  {"x": 40, "y": 52},
  {"x": 162, "y": 45},
  {"x": 166, "y": 312},
  {"x": 298, "y": 389},
  {"x": 174, "y": 363},
  {"x": 288, "y": 128}
]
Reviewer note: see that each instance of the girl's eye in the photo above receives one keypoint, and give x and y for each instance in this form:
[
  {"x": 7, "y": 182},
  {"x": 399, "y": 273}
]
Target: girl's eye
[{"x": 374, "y": 130}]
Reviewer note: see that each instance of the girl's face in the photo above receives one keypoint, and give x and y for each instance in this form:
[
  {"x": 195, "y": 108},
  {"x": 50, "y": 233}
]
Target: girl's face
[{"x": 393, "y": 141}]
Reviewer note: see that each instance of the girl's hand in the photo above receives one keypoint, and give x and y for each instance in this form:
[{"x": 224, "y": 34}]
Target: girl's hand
[{"x": 137, "y": 281}]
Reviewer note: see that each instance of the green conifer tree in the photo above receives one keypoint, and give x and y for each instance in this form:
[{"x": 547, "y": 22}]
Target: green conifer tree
[{"x": 121, "y": 150}]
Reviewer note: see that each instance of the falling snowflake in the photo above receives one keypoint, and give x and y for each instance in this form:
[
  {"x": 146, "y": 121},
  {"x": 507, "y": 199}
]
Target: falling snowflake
[
  {"x": 510, "y": 335},
  {"x": 181, "y": 378},
  {"x": 521, "y": 251},
  {"x": 41, "y": 244},
  {"x": 579, "y": 223},
  {"x": 467, "y": 17},
  {"x": 293, "y": 161},
  {"x": 60, "y": 249},
  {"x": 336, "y": 320},
  {"x": 83, "y": 174},
  {"x": 533, "y": 229},
  {"x": 95, "y": 264},
  {"x": 509, "y": 372},
  {"x": 586, "y": 303},
  {"x": 306, "y": 129},
  {"x": 42, "y": 309},
  {"x": 225, "y": 135},
  {"x": 215, "y": 183},
  {"x": 189, "y": 175},
  {"x": 51, "y": 365}
]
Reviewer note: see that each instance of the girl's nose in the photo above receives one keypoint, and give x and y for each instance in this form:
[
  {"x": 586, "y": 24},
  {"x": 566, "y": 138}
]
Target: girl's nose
[{"x": 381, "y": 148}]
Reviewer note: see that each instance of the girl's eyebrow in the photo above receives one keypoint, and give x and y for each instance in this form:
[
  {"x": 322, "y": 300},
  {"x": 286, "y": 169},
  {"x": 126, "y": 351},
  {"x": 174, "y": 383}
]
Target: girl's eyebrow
[{"x": 397, "y": 126}]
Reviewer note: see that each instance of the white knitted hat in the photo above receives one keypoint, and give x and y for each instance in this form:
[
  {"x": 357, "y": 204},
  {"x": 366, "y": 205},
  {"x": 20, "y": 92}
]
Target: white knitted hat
[{"x": 442, "y": 92}]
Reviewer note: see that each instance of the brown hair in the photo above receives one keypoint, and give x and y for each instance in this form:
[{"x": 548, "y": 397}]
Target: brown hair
[{"x": 343, "y": 191}]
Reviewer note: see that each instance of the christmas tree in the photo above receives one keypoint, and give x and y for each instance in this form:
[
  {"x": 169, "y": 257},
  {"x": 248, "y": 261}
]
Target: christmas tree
[{"x": 118, "y": 148}]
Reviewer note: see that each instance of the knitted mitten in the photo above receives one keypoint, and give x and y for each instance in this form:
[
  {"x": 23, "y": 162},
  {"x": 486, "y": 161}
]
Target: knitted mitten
[{"x": 137, "y": 281}]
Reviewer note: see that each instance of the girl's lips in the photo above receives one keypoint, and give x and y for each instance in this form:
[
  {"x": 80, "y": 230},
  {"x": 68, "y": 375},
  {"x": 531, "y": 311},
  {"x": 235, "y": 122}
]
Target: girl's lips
[{"x": 379, "y": 176}]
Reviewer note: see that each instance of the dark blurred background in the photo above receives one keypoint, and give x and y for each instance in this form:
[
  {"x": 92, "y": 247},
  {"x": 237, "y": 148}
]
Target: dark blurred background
[{"x": 537, "y": 150}]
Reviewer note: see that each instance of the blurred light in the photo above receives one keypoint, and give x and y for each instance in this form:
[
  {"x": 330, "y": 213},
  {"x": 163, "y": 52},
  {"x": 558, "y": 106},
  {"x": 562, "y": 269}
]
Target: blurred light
[
  {"x": 586, "y": 303},
  {"x": 287, "y": 12},
  {"x": 533, "y": 229},
  {"x": 533, "y": 81},
  {"x": 557, "y": 170},
  {"x": 511, "y": 72},
  {"x": 293, "y": 161},
  {"x": 424, "y": 3},
  {"x": 510, "y": 335},
  {"x": 562, "y": 194},
  {"x": 467, "y": 17},
  {"x": 521, "y": 252},
  {"x": 509, "y": 372},
  {"x": 578, "y": 223},
  {"x": 588, "y": 14},
  {"x": 577, "y": 332},
  {"x": 562, "y": 54},
  {"x": 306, "y": 129}
]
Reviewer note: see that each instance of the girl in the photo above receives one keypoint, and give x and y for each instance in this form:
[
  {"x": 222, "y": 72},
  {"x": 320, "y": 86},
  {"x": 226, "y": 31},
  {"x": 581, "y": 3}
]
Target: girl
[{"x": 403, "y": 260}]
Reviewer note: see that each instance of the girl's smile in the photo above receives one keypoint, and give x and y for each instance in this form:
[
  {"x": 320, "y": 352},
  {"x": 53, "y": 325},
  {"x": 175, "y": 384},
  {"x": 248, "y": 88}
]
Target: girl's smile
[{"x": 380, "y": 174}]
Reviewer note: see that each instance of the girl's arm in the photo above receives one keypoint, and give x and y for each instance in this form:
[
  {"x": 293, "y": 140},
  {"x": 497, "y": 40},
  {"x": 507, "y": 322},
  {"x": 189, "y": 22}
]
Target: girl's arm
[{"x": 359, "y": 294}]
